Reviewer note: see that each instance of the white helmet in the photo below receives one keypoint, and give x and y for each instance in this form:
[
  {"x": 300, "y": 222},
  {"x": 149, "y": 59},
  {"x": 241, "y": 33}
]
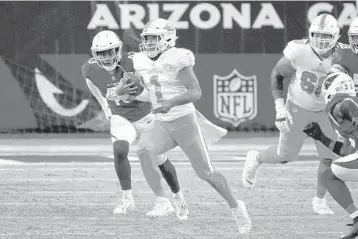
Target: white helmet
[
  {"x": 107, "y": 49},
  {"x": 337, "y": 82},
  {"x": 353, "y": 35},
  {"x": 323, "y": 33},
  {"x": 157, "y": 36}
]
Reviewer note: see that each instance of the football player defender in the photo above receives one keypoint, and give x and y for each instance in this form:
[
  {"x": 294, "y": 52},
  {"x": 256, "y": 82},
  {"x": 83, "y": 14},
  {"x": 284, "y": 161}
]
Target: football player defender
[{"x": 342, "y": 108}]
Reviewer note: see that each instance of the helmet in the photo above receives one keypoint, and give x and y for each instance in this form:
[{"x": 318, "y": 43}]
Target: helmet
[
  {"x": 107, "y": 50},
  {"x": 323, "y": 33},
  {"x": 157, "y": 36},
  {"x": 353, "y": 35},
  {"x": 337, "y": 82}
]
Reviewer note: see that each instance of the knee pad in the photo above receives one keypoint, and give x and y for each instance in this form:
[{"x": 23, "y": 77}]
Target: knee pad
[{"x": 120, "y": 149}]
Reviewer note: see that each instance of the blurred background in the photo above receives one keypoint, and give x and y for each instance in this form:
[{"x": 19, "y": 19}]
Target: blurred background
[{"x": 44, "y": 44}]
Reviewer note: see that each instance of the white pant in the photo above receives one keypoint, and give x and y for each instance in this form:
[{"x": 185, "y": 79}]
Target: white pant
[{"x": 122, "y": 129}]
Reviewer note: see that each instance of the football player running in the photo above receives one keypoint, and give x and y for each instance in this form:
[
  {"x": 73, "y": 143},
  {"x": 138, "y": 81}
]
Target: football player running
[
  {"x": 309, "y": 60},
  {"x": 342, "y": 108},
  {"x": 168, "y": 75},
  {"x": 106, "y": 75}
]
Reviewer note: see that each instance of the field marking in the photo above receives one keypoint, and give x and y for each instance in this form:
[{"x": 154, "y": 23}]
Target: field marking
[
  {"x": 19, "y": 169},
  {"x": 283, "y": 179},
  {"x": 182, "y": 162},
  {"x": 185, "y": 191},
  {"x": 172, "y": 235},
  {"x": 140, "y": 220},
  {"x": 148, "y": 203}
]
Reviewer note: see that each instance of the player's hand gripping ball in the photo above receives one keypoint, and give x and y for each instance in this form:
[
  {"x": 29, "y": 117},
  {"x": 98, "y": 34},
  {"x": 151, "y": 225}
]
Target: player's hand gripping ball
[
  {"x": 129, "y": 84},
  {"x": 137, "y": 82}
]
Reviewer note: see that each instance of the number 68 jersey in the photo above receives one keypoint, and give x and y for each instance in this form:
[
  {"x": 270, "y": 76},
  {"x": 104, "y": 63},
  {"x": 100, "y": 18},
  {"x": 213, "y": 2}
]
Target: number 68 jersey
[
  {"x": 161, "y": 79},
  {"x": 305, "y": 87}
]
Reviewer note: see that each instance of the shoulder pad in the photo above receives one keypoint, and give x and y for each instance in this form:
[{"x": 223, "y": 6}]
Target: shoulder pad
[
  {"x": 185, "y": 57},
  {"x": 294, "y": 49}
]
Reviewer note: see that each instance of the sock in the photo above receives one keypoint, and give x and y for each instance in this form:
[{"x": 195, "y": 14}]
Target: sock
[
  {"x": 338, "y": 190},
  {"x": 127, "y": 192},
  {"x": 178, "y": 194},
  {"x": 324, "y": 164},
  {"x": 220, "y": 184},
  {"x": 170, "y": 175},
  {"x": 121, "y": 164}
]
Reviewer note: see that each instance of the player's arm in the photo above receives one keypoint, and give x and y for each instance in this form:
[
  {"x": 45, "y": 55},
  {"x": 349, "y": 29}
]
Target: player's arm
[
  {"x": 283, "y": 69},
  {"x": 101, "y": 100},
  {"x": 191, "y": 83},
  {"x": 338, "y": 147}
]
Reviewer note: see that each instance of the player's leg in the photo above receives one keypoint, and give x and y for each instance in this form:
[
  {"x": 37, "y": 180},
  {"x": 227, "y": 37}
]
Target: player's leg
[
  {"x": 189, "y": 136},
  {"x": 343, "y": 170},
  {"x": 154, "y": 140},
  {"x": 165, "y": 165},
  {"x": 288, "y": 147},
  {"x": 123, "y": 134},
  {"x": 169, "y": 173},
  {"x": 326, "y": 156}
]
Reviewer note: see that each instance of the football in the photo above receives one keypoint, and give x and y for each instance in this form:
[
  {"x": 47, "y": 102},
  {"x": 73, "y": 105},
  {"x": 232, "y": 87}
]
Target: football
[
  {"x": 235, "y": 84},
  {"x": 137, "y": 82}
]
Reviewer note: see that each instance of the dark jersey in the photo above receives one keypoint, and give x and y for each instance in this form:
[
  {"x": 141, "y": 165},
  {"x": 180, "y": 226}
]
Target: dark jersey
[
  {"x": 349, "y": 60},
  {"x": 338, "y": 120},
  {"x": 132, "y": 111}
]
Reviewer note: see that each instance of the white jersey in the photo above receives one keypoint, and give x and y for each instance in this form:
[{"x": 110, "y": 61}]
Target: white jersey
[
  {"x": 306, "y": 85},
  {"x": 161, "y": 78}
]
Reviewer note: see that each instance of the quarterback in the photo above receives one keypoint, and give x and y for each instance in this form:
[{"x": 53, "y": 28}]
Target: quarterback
[
  {"x": 106, "y": 75},
  {"x": 309, "y": 61},
  {"x": 342, "y": 108},
  {"x": 167, "y": 73}
]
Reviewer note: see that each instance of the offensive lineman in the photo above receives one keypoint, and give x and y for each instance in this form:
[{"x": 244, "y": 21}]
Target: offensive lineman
[
  {"x": 168, "y": 75},
  {"x": 341, "y": 106},
  {"x": 310, "y": 61},
  {"x": 105, "y": 73}
]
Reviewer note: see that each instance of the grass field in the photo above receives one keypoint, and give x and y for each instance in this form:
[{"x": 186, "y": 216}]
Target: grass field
[{"x": 67, "y": 188}]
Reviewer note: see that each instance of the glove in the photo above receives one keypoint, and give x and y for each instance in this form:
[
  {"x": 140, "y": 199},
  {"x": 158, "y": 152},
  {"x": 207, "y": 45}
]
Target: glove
[
  {"x": 282, "y": 116},
  {"x": 313, "y": 130}
]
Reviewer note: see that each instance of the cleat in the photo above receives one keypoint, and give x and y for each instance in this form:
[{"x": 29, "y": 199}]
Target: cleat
[
  {"x": 124, "y": 205},
  {"x": 249, "y": 173},
  {"x": 162, "y": 208},
  {"x": 242, "y": 217},
  {"x": 320, "y": 207},
  {"x": 181, "y": 207},
  {"x": 352, "y": 233}
]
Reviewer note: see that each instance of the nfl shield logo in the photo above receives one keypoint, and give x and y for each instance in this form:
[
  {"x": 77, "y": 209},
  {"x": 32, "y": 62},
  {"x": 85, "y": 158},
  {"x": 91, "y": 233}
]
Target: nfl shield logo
[{"x": 235, "y": 97}]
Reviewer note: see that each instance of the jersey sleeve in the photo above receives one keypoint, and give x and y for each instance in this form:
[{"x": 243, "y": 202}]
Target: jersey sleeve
[
  {"x": 293, "y": 50},
  {"x": 185, "y": 58},
  {"x": 84, "y": 70}
]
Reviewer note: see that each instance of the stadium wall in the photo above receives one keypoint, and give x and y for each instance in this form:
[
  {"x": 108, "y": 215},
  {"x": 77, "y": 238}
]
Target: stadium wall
[{"x": 236, "y": 45}]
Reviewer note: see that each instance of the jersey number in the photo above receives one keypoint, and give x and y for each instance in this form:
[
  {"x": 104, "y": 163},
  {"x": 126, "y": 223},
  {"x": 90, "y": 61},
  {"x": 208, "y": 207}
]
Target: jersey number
[
  {"x": 158, "y": 88},
  {"x": 307, "y": 83}
]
